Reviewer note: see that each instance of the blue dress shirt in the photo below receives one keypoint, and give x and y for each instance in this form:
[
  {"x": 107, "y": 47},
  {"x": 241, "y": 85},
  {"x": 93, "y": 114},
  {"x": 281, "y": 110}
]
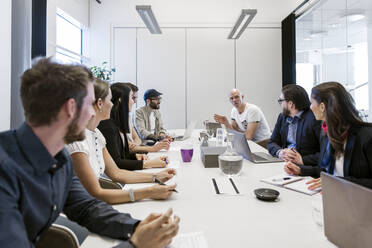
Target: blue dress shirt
[{"x": 36, "y": 187}]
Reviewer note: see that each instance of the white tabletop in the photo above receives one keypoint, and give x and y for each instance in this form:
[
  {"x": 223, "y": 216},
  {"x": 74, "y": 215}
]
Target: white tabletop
[{"x": 231, "y": 221}]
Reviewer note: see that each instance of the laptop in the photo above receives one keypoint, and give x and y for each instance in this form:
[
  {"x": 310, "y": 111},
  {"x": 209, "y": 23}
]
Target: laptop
[
  {"x": 347, "y": 212},
  {"x": 241, "y": 146},
  {"x": 188, "y": 132}
]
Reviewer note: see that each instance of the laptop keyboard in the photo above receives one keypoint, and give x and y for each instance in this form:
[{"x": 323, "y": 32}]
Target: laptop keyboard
[{"x": 258, "y": 158}]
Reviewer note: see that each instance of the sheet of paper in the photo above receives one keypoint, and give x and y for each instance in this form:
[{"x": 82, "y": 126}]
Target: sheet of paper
[
  {"x": 225, "y": 186},
  {"x": 189, "y": 240},
  {"x": 172, "y": 164},
  {"x": 281, "y": 179},
  {"x": 301, "y": 187}
]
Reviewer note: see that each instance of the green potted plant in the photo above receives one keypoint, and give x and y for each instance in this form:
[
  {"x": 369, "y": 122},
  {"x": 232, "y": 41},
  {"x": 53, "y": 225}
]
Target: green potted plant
[{"x": 103, "y": 72}]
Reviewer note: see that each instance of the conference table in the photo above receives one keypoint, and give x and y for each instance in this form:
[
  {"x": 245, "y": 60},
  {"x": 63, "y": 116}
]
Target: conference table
[{"x": 230, "y": 220}]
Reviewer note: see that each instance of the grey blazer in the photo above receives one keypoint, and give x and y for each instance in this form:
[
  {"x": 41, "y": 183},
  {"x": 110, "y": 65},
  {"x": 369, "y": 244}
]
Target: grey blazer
[{"x": 142, "y": 123}]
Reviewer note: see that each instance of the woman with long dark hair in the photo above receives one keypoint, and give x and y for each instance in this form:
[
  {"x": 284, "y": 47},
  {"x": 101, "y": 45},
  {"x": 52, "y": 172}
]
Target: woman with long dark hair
[
  {"x": 116, "y": 129},
  {"x": 346, "y": 143},
  {"x": 91, "y": 160}
]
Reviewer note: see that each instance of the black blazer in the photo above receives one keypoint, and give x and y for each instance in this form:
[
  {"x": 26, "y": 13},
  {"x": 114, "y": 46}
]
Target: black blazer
[
  {"x": 307, "y": 137},
  {"x": 357, "y": 157},
  {"x": 123, "y": 158}
]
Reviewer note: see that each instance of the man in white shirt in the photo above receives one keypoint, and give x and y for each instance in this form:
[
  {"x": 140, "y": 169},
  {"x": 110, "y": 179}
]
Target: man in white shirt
[{"x": 247, "y": 118}]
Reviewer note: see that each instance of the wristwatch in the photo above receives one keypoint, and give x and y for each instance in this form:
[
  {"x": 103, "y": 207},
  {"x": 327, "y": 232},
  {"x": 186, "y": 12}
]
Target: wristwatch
[{"x": 131, "y": 195}]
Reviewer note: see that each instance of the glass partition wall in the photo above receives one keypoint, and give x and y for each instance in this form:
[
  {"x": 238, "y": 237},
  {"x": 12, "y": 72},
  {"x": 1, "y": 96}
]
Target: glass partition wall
[{"x": 333, "y": 43}]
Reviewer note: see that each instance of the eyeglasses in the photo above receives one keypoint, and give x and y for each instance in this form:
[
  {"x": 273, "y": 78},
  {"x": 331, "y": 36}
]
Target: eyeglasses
[{"x": 280, "y": 100}]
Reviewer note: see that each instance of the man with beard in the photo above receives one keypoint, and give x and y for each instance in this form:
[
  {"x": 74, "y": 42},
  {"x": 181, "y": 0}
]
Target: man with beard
[
  {"x": 296, "y": 134},
  {"x": 247, "y": 118},
  {"x": 37, "y": 181},
  {"x": 148, "y": 118}
]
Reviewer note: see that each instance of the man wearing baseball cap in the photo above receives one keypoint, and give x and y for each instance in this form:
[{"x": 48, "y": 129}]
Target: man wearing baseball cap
[{"x": 148, "y": 118}]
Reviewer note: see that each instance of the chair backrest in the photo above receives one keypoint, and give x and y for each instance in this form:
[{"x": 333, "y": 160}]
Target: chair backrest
[
  {"x": 58, "y": 236},
  {"x": 108, "y": 184}
]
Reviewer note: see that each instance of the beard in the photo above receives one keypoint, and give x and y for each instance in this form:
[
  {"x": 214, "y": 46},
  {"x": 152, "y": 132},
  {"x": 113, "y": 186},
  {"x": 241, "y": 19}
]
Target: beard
[
  {"x": 154, "y": 105},
  {"x": 286, "y": 112},
  {"x": 72, "y": 134}
]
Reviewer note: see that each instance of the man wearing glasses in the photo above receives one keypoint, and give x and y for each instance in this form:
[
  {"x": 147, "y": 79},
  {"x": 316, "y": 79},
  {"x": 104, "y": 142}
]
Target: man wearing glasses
[
  {"x": 247, "y": 118},
  {"x": 296, "y": 134},
  {"x": 148, "y": 118}
]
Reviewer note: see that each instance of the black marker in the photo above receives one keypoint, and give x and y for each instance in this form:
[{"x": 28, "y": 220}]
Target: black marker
[
  {"x": 233, "y": 184},
  {"x": 215, "y": 186}
]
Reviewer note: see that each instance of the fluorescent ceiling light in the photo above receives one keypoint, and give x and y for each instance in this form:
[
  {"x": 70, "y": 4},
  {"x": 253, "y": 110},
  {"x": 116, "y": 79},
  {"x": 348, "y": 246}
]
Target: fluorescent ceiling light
[
  {"x": 148, "y": 18},
  {"x": 355, "y": 17},
  {"x": 241, "y": 24}
]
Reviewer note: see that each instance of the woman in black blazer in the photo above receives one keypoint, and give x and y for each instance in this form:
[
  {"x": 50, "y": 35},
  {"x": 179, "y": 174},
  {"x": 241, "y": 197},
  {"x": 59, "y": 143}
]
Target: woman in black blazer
[
  {"x": 115, "y": 131},
  {"x": 346, "y": 143}
]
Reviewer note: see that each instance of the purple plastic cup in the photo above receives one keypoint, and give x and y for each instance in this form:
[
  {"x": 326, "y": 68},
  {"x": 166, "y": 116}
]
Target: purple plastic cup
[{"x": 186, "y": 154}]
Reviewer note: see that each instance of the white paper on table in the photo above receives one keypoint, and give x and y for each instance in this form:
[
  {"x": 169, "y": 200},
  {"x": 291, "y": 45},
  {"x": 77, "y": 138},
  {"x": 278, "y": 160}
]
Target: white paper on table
[
  {"x": 302, "y": 187},
  {"x": 281, "y": 179},
  {"x": 226, "y": 187},
  {"x": 174, "y": 164},
  {"x": 189, "y": 240}
]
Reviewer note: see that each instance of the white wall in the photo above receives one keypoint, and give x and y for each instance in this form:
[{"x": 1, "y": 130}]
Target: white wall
[
  {"x": 259, "y": 69},
  {"x": 5, "y": 63},
  {"x": 161, "y": 65},
  {"x": 195, "y": 68},
  {"x": 210, "y": 72}
]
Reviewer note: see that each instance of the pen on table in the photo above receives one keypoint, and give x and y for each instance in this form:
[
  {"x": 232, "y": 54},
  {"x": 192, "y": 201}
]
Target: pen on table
[
  {"x": 280, "y": 179},
  {"x": 161, "y": 183}
]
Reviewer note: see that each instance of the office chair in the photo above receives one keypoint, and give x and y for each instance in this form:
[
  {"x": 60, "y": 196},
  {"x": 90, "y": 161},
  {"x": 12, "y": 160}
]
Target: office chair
[
  {"x": 58, "y": 236},
  {"x": 108, "y": 184}
]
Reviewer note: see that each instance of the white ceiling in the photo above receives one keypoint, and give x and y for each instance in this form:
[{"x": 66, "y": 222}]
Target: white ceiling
[{"x": 194, "y": 11}]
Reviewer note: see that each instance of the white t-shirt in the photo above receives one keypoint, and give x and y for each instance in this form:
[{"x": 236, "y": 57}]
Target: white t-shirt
[
  {"x": 92, "y": 146},
  {"x": 252, "y": 113}
]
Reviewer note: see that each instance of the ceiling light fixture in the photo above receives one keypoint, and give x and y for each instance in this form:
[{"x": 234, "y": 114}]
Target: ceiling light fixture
[
  {"x": 241, "y": 24},
  {"x": 354, "y": 17},
  {"x": 148, "y": 18}
]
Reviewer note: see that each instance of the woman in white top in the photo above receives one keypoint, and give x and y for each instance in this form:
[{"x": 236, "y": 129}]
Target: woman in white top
[{"x": 91, "y": 159}]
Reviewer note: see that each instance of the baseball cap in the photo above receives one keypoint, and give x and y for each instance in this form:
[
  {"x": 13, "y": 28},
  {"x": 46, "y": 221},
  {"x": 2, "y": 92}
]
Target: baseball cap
[{"x": 151, "y": 93}]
